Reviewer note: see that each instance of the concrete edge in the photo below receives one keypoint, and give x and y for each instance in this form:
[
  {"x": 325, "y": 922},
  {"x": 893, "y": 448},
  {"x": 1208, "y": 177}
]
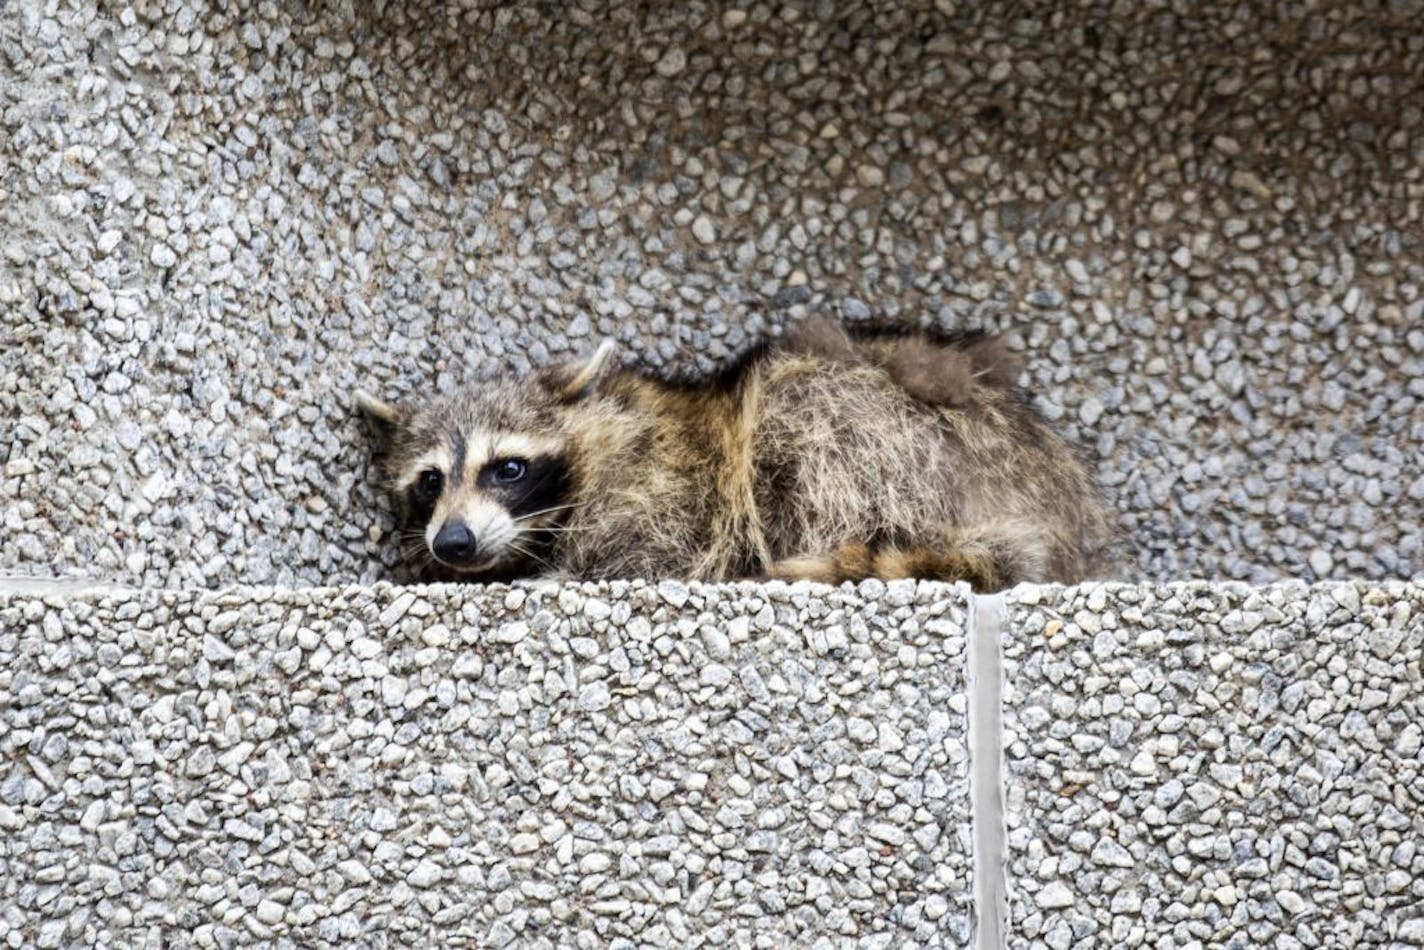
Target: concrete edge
[{"x": 1026, "y": 595}]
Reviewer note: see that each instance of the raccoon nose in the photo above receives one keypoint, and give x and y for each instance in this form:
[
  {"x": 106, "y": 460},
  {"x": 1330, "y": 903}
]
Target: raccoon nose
[{"x": 454, "y": 543}]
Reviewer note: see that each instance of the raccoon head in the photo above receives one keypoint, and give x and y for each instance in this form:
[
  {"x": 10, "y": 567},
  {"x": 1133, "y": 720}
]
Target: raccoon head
[{"x": 483, "y": 480}]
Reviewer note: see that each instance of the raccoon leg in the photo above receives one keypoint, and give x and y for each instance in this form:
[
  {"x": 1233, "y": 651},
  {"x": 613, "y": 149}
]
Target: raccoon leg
[{"x": 989, "y": 558}]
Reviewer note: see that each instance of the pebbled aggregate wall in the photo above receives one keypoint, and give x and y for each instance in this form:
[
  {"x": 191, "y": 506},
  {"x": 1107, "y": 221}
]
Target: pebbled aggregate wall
[
  {"x": 1215, "y": 766},
  {"x": 1185, "y": 765},
  {"x": 611, "y": 765},
  {"x": 1201, "y": 223}
]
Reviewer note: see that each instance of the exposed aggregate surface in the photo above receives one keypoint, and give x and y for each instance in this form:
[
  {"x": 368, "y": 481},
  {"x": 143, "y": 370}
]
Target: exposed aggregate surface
[
  {"x": 1200, "y": 222},
  {"x": 600, "y": 765},
  {"x": 1215, "y": 766}
]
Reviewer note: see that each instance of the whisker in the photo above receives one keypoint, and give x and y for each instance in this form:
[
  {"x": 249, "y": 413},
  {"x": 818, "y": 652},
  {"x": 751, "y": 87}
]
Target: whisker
[
  {"x": 552, "y": 508},
  {"x": 523, "y": 548},
  {"x": 546, "y": 511},
  {"x": 519, "y": 548}
]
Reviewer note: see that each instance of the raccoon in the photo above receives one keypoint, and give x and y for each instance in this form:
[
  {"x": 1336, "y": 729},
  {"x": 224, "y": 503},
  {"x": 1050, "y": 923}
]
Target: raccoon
[{"x": 823, "y": 457}]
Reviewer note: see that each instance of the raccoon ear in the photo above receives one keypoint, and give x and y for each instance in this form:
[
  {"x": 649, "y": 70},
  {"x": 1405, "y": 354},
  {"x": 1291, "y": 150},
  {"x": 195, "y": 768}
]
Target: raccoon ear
[
  {"x": 387, "y": 417},
  {"x": 575, "y": 380}
]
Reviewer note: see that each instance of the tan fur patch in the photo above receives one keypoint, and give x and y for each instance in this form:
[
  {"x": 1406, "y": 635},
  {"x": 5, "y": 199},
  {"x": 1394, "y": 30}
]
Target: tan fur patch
[
  {"x": 438, "y": 458},
  {"x": 482, "y": 448},
  {"x": 821, "y": 569}
]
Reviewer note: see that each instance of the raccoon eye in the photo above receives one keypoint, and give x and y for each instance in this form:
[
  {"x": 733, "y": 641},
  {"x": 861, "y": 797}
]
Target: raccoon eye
[
  {"x": 510, "y": 470},
  {"x": 428, "y": 485}
]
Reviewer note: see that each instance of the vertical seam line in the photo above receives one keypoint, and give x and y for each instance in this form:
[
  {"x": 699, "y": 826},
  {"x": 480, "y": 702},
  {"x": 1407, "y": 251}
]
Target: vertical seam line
[{"x": 985, "y": 684}]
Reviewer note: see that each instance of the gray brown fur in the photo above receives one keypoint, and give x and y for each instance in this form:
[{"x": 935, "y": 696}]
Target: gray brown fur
[
  {"x": 940, "y": 373},
  {"x": 825, "y": 458}
]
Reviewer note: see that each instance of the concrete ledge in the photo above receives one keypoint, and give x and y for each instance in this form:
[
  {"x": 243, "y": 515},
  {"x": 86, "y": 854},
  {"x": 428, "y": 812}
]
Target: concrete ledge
[
  {"x": 577, "y": 766},
  {"x": 1186, "y": 765},
  {"x": 1205, "y": 765}
]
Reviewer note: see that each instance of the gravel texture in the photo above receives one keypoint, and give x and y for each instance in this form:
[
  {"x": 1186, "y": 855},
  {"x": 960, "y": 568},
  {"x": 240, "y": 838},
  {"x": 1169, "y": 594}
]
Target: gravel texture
[
  {"x": 611, "y": 765},
  {"x": 1200, "y": 222},
  {"x": 1193, "y": 765}
]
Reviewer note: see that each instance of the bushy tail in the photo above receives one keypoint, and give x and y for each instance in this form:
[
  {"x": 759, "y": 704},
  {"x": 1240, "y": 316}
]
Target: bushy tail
[{"x": 990, "y": 557}]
